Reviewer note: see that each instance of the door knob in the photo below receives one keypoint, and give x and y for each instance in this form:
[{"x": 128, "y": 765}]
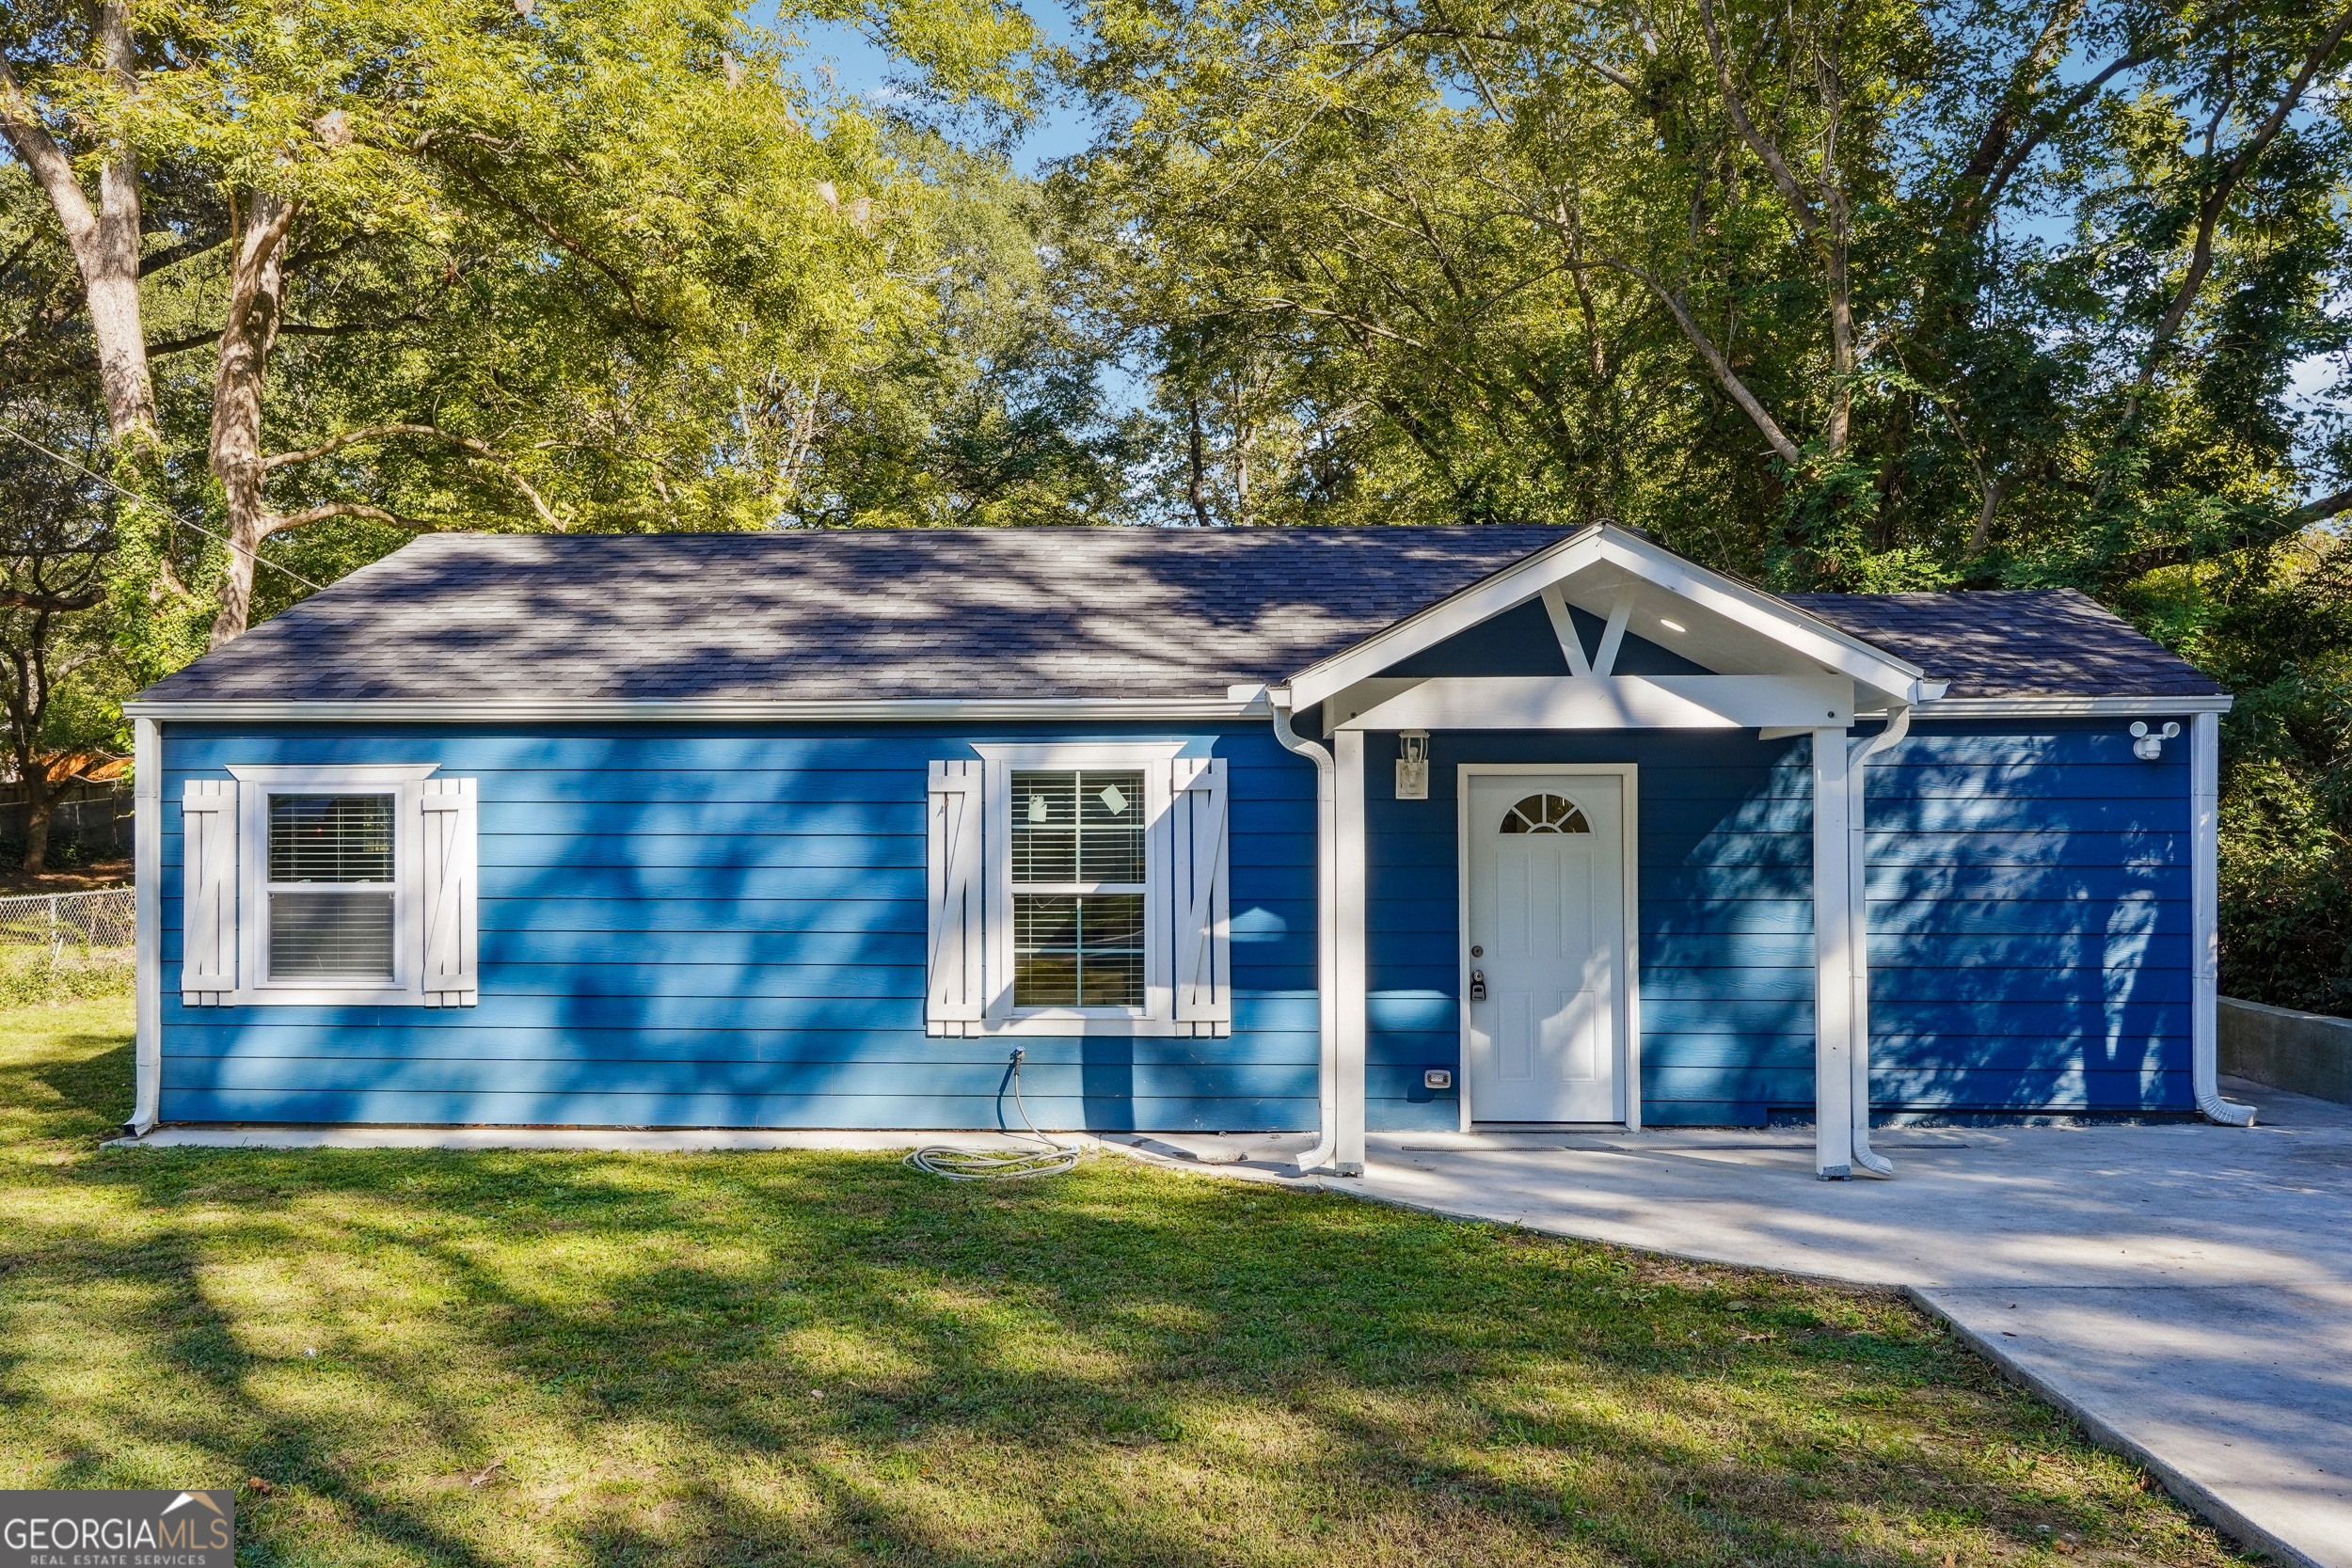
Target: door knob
[{"x": 1478, "y": 985}]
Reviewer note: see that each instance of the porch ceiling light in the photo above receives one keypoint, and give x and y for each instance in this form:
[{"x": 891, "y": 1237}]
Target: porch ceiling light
[{"x": 1669, "y": 625}]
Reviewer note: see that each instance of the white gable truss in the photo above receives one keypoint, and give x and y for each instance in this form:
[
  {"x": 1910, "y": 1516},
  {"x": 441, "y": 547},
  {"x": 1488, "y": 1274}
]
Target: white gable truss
[{"x": 1774, "y": 665}]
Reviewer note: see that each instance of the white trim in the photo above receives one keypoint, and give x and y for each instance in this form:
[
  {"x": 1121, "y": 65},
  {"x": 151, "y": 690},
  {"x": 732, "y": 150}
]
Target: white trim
[
  {"x": 1629, "y": 1010},
  {"x": 1613, "y": 702},
  {"x": 403, "y": 782},
  {"x": 1833, "y": 963},
  {"x": 1613, "y": 636},
  {"x": 449, "y": 883},
  {"x": 1327, "y": 942},
  {"x": 2072, "y": 707},
  {"x": 1858, "y": 755},
  {"x": 1354, "y": 975},
  {"x": 358, "y": 775},
  {"x": 2204, "y": 953},
  {"x": 1084, "y": 753},
  {"x": 955, "y": 877},
  {"x": 1605, "y": 543},
  {"x": 1157, "y": 1017},
  {"x": 726, "y": 710},
  {"x": 927, "y": 710},
  {"x": 1363, "y": 697},
  {"x": 1200, "y": 902},
  {"x": 1564, "y": 627},
  {"x": 146, "y": 867}
]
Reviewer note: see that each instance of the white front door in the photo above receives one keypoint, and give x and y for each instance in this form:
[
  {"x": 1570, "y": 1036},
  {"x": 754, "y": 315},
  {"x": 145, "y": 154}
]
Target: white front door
[{"x": 1546, "y": 959}]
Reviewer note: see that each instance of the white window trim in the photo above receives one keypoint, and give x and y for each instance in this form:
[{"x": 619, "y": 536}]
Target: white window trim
[
  {"x": 402, "y": 781},
  {"x": 1157, "y": 1015}
]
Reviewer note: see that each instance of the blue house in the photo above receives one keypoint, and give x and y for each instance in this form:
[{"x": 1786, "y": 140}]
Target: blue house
[{"x": 1330, "y": 829}]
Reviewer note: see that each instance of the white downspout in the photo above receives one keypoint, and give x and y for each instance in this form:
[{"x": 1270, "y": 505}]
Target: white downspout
[
  {"x": 1858, "y": 926},
  {"x": 1327, "y": 941},
  {"x": 2204, "y": 881},
  {"x": 1833, "y": 961},
  {"x": 147, "y": 865}
]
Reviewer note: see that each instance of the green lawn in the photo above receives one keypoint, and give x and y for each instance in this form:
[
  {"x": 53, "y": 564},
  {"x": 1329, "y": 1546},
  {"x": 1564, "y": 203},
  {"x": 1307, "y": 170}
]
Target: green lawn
[{"x": 820, "y": 1359}]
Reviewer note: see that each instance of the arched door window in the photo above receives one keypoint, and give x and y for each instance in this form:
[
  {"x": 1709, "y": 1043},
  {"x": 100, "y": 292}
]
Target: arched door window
[{"x": 1546, "y": 813}]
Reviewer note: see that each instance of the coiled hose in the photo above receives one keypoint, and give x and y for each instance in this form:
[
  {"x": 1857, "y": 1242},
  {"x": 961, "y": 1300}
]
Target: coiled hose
[{"x": 998, "y": 1164}]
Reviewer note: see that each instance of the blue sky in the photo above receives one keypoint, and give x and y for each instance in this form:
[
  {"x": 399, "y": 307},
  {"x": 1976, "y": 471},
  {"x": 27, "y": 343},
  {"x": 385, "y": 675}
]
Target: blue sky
[{"x": 861, "y": 69}]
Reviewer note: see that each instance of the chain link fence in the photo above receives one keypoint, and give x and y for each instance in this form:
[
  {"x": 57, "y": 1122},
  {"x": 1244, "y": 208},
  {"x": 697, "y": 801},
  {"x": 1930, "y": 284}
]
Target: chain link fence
[
  {"x": 63, "y": 946},
  {"x": 56, "y": 921}
]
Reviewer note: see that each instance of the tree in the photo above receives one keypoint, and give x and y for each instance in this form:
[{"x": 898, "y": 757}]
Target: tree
[
  {"x": 106, "y": 235},
  {"x": 55, "y": 534},
  {"x": 555, "y": 203},
  {"x": 1790, "y": 285}
]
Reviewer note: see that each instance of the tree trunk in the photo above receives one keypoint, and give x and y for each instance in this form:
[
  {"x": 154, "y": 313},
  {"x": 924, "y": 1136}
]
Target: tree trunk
[
  {"x": 257, "y": 292},
  {"x": 1197, "y": 474},
  {"x": 105, "y": 241},
  {"x": 41, "y": 804},
  {"x": 27, "y": 702}
]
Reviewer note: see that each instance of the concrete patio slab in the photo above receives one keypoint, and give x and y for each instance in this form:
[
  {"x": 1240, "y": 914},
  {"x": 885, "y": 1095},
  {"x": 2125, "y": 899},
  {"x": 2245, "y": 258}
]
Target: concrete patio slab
[{"x": 2183, "y": 1290}]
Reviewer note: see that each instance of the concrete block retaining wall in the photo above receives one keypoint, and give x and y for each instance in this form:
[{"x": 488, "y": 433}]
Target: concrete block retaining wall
[{"x": 2308, "y": 1052}]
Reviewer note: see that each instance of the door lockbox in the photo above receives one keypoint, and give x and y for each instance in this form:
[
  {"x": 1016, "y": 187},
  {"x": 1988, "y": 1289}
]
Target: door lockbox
[{"x": 1478, "y": 985}]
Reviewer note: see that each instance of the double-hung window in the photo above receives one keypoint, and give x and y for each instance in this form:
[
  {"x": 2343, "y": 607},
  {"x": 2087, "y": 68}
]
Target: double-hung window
[
  {"x": 330, "y": 890},
  {"x": 1079, "y": 889},
  {"x": 350, "y": 884},
  {"x": 1079, "y": 881}
]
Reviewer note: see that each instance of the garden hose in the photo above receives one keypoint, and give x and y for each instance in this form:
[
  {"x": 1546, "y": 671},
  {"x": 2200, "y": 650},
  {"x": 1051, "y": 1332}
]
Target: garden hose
[{"x": 998, "y": 1164}]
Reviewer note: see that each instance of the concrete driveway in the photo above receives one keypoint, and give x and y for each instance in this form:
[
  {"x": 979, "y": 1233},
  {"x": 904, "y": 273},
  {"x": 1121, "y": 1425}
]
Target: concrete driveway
[{"x": 2184, "y": 1291}]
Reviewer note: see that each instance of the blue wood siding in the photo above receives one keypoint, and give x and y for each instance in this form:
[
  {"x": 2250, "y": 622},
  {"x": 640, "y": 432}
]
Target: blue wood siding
[
  {"x": 2030, "y": 919},
  {"x": 2029, "y": 910},
  {"x": 1521, "y": 642},
  {"x": 694, "y": 929},
  {"x": 1725, "y": 920}
]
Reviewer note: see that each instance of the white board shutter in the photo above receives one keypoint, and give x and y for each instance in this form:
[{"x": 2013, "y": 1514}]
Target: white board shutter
[
  {"x": 208, "y": 892},
  {"x": 955, "y": 993},
  {"x": 453, "y": 913},
  {"x": 1199, "y": 799}
]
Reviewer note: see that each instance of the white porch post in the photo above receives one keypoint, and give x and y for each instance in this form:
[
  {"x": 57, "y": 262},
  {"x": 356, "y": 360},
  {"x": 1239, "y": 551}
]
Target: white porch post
[
  {"x": 1353, "y": 969},
  {"x": 1833, "y": 963},
  {"x": 146, "y": 868},
  {"x": 2205, "y": 954},
  {"x": 1354, "y": 974}
]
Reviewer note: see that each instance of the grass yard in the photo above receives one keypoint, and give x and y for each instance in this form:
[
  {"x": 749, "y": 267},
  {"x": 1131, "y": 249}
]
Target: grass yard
[{"x": 817, "y": 1358}]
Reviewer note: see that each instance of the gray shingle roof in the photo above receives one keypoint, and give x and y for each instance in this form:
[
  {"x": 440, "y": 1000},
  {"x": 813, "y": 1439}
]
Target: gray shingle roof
[
  {"x": 994, "y": 613},
  {"x": 2014, "y": 642},
  {"x": 817, "y": 615}
]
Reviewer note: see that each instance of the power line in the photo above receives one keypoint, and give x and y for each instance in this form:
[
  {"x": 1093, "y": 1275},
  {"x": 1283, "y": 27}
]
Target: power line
[{"x": 257, "y": 558}]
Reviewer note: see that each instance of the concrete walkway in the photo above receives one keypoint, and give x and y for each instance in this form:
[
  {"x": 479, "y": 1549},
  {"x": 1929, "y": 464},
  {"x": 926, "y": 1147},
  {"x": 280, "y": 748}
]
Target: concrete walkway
[{"x": 2186, "y": 1291}]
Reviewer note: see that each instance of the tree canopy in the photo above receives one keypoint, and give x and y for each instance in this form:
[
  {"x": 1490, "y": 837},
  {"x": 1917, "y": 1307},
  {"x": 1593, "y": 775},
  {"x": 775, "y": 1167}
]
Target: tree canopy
[{"x": 1860, "y": 295}]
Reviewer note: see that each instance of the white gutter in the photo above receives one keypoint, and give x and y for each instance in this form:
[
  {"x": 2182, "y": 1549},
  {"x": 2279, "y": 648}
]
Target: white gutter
[
  {"x": 2076, "y": 707},
  {"x": 1858, "y": 928},
  {"x": 1327, "y": 941},
  {"x": 147, "y": 840},
  {"x": 2204, "y": 882},
  {"x": 737, "y": 709}
]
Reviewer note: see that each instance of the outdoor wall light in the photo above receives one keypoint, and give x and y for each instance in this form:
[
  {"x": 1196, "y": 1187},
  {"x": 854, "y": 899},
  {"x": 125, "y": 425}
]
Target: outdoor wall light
[
  {"x": 1412, "y": 765},
  {"x": 2148, "y": 745}
]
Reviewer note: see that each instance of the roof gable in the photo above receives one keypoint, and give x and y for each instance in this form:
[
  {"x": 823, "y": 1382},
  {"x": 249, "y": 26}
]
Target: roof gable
[{"x": 1718, "y": 622}]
